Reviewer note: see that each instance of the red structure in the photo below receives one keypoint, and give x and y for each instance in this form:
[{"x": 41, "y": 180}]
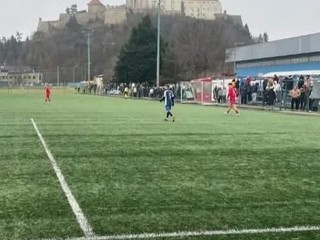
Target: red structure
[{"x": 203, "y": 87}]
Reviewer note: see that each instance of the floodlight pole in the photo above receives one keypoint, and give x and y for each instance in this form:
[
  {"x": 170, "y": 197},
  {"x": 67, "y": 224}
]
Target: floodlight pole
[
  {"x": 236, "y": 44},
  {"x": 158, "y": 45},
  {"x": 58, "y": 76},
  {"x": 74, "y": 73},
  {"x": 88, "y": 33},
  {"x": 234, "y": 62},
  {"x": 89, "y": 59}
]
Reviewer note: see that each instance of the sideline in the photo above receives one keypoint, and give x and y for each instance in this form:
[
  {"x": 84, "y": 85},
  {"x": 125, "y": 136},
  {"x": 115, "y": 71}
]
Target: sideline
[{"x": 81, "y": 219}]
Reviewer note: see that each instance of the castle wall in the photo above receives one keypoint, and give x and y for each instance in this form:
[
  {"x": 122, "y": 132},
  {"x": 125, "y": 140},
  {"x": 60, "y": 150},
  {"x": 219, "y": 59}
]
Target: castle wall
[
  {"x": 202, "y": 9},
  {"x": 96, "y": 11},
  {"x": 46, "y": 26},
  {"x": 141, "y": 5},
  {"x": 82, "y": 18},
  {"x": 172, "y": 6},
  {"x": 115, "y": 15},
  {"x": 64, "y": 18},
  {"x": 42, "y": 26}
]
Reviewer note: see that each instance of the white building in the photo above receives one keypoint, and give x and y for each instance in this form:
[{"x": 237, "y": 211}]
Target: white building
[
  {"x": 19, "y": 75},
  {"x": 202, "y": 9},
  {"x": 172, "y": 6},
  {"x": 141, "y": 5},
  {"x": 167, "y": 6}
]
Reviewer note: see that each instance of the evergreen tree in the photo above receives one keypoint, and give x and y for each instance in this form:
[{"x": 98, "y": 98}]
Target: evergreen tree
[
  {"x": 260, "y": 38},
  {"x": 247, "y": 30},
  {"x": 73, "y": 9},
  {"x": 195, "y": 48},
  {"x": 137, "y": 59},
  {"x": 265, "y": 37},
  {"x": 19, "y": 36},
  {"x": 73, "y": 24}
]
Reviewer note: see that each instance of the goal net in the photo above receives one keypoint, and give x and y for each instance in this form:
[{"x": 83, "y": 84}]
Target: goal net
[
  {"x": 204, "y": 90},
  {"x": 186, "y": 92}
]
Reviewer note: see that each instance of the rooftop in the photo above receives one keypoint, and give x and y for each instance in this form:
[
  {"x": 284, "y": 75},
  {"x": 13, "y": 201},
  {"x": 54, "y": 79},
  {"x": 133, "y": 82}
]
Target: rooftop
[
  {"x": 95, "y": 2},
  {"x": 305, "y": 44},
  {"x": 16, "y": 69}
]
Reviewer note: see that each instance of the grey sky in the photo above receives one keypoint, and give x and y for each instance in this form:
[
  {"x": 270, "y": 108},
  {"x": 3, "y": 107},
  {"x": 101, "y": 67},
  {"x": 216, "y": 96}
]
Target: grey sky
[{"x": 280, "y": 18}]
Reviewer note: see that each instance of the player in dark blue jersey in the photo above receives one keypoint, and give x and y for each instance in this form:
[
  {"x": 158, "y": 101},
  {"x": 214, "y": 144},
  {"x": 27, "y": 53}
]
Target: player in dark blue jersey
[{"x": 168, "y": 98}]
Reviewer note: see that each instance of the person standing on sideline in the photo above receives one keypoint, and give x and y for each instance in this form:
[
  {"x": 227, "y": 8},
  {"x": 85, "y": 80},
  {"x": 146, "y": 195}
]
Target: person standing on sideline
[
  {"x": 126, "y": 91},
  {"x": 47, "y": 93},
  {"x": 308, "y": 83},
  {"x": 168, "y": 98},
  {"x": 295, "y": 98},
  {"x": 232, "y": 99}
]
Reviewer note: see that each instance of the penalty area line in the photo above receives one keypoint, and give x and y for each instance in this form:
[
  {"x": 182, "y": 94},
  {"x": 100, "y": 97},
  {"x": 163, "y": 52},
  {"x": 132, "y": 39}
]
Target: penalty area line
[
  {"x": 199, "y": 233},
  {"x": 81, "y": 219}
]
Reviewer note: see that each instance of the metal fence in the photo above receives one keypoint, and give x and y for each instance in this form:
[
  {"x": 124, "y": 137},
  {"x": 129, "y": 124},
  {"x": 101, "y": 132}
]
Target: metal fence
[{"x": 215, "y": 93}]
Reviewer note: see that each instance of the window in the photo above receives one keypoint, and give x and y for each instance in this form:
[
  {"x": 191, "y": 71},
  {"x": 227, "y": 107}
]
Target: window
[
  {"x": 282, "y": 61},
  {"x": 314, "y": 59}
]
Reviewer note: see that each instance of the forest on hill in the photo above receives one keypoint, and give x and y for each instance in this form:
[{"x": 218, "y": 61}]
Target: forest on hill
[{"x": 191, "y": 48}]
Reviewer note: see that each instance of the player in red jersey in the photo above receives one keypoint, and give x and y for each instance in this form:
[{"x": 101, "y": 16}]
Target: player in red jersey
[
  {"x": 232, "y": 99},
  {"x": 47, "y": 93}
]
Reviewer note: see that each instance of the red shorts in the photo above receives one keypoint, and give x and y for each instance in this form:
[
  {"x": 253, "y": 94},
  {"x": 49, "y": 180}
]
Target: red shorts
[{"x": 232, "y": 101}]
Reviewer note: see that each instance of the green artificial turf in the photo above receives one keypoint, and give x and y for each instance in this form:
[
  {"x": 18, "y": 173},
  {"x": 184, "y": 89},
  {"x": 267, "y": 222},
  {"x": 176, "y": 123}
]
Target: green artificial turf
[{"x": 131, "y": 172}]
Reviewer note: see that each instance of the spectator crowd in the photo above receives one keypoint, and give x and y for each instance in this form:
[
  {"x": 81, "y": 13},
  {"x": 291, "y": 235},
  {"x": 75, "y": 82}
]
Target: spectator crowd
[
  {"x": 140, "y": 90},
  {"x": 284, "y": 92},
  {"x": 278, "y": 91}
]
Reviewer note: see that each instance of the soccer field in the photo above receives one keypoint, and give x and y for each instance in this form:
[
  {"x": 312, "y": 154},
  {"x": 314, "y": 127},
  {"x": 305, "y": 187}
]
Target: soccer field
[{"x": 256, "y": 176}]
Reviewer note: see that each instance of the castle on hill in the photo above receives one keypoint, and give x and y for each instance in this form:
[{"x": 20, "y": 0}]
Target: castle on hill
[
  {"x": 96, "y": 12},
  {"x": 200, "y": 9}
]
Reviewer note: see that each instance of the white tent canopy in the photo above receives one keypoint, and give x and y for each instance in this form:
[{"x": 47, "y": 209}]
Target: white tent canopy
[{"x": 293, "y": 73}]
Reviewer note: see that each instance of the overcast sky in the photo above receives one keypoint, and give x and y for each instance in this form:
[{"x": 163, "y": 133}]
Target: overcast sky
[{"x": 280, "y": 18}]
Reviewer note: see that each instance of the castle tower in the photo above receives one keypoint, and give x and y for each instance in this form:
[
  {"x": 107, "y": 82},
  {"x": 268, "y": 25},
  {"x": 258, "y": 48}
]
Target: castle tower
[{"x": 96, "y": 9}]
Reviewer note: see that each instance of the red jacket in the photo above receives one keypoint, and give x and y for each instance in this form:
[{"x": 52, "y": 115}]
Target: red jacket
[
  {"x": 232, "y": 93},
  {"x": 47, "y": 90}
]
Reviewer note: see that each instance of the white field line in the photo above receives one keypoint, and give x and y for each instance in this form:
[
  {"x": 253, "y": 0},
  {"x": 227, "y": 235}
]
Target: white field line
[
  {"x": 82, "y": 220},
  {"x": 198, "y": 234},
  {"x": 89, "y": 235}
]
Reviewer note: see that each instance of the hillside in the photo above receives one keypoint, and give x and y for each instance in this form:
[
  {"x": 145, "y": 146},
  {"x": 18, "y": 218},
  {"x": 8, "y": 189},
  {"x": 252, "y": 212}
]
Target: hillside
[{"x": 194, "y": 48}]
